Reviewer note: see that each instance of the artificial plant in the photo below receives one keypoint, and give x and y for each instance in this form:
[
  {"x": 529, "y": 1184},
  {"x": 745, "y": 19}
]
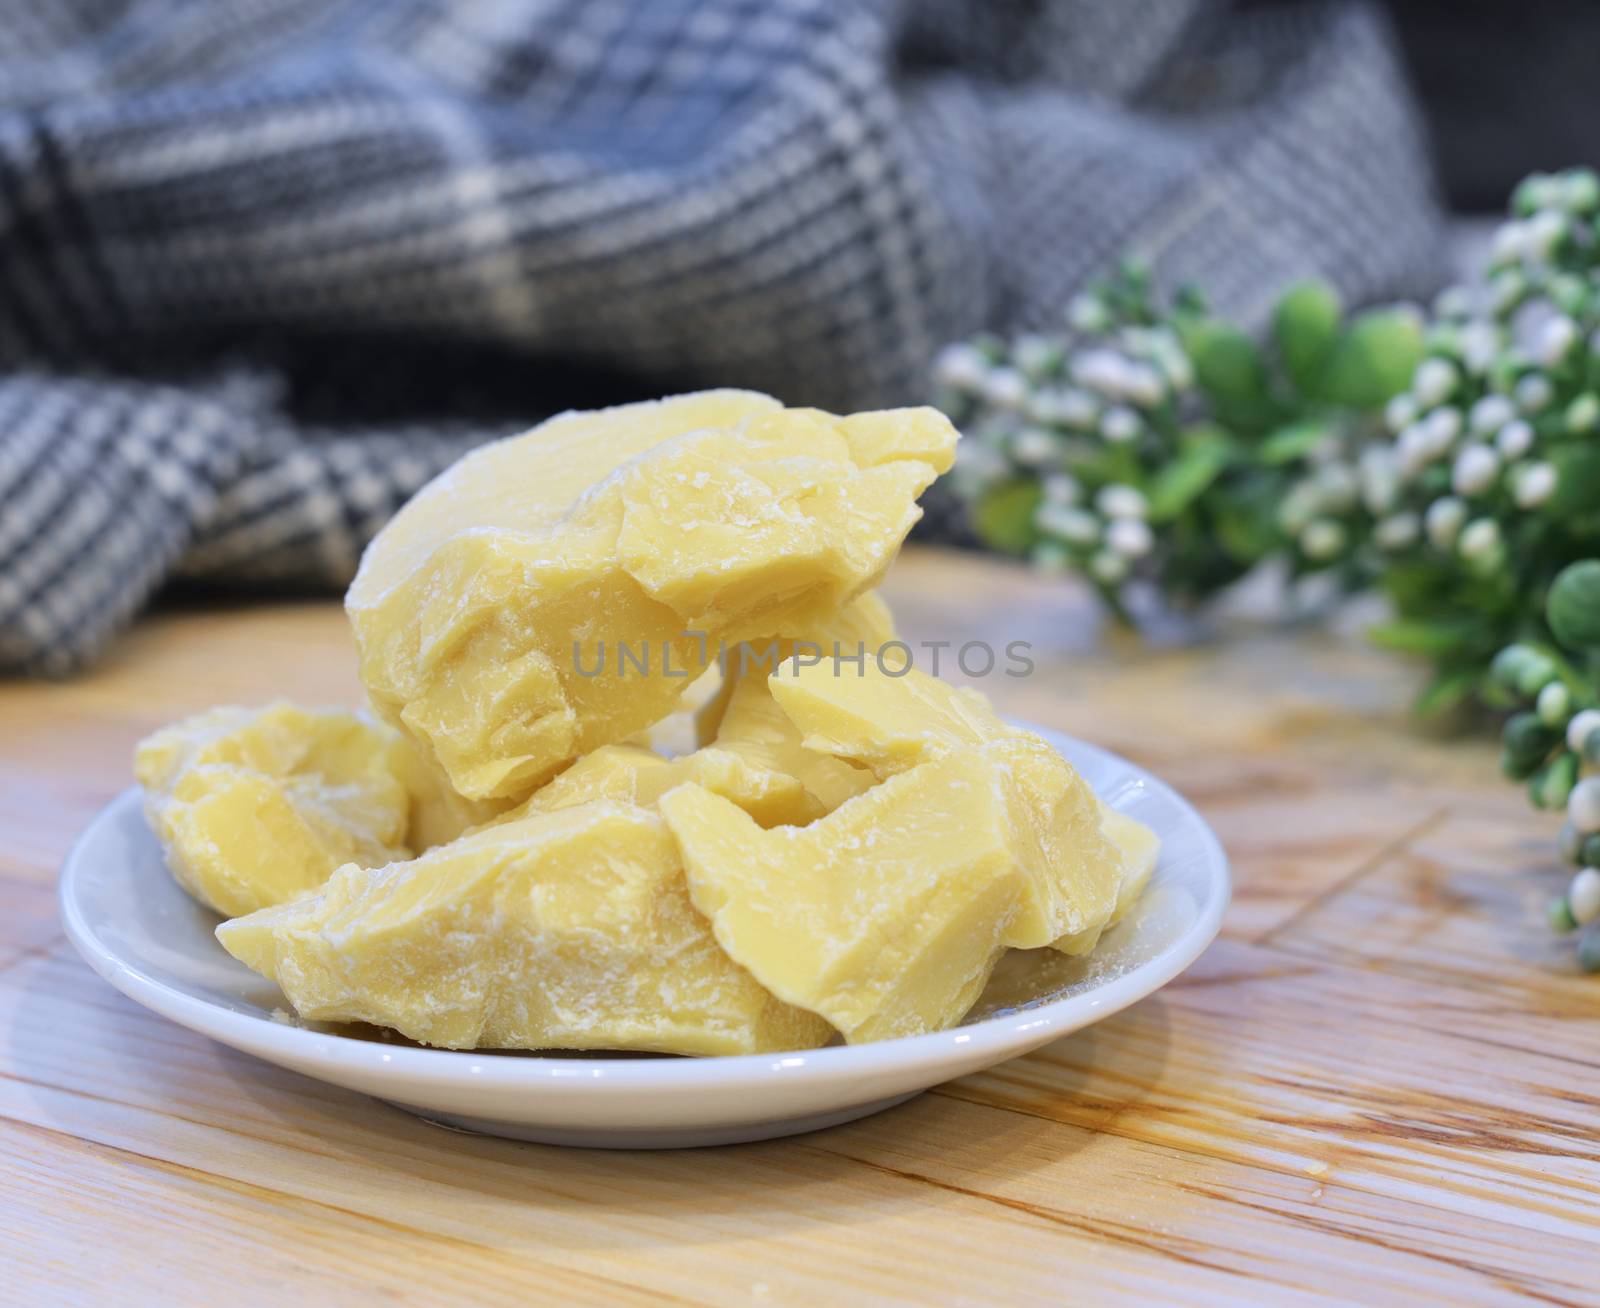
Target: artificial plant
[{"x": 1451, "y": 461}]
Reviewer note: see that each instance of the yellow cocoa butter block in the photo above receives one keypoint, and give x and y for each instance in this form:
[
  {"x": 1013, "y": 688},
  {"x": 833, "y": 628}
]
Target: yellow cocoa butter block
[
  {"x": 844, "y": 845},
  {"x": 634, "y": 775},
  {"x": 1084, "y": 860},
  {"x": 743, "y": 718},
  {"x": 1139, "y": 847},
  {"x": 256, "y": 806},
  {"x": 569, "y": 929},
  {"x": 679, "y": 732},
  {"x": 438, "y": 813},
  {"x": 556, "y": 592},
  {"x": 885, "y": 721},
  {"x": 755, "y": 729},
  {"x": 864, "y": 626},
  {"x": 887, "y": 916}
]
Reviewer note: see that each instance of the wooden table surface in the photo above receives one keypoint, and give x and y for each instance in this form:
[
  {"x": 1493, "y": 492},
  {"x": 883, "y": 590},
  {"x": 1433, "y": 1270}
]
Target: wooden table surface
[{"x": 1379, "y": 1085}]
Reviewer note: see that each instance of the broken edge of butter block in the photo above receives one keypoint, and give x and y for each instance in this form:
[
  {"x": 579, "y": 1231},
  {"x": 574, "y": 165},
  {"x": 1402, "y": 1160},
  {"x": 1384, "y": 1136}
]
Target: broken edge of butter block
[
  {"x": 864, "y": 625},
  {"x": 490, "y": 612},
  {"x": 886, "y": 917},
  {"x": 1139, "y": 847},
  {"x": 744, "y": 719},
  {"x": 885, "y": 721},
  {"x": 503, "y": 864},
  {"x": 634, "y": 775},
  {"x": 253, "y": 806},
  {"x": 438, "y": 812},
  {"x": 569, "y": 929},
  {"x": 1079, "y": 866}
]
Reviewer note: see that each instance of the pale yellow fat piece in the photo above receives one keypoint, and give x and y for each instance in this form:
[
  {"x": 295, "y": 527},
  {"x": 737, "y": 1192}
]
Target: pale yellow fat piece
[
  {"x": 886, "y": 916},
  {"x": 864, "y": 626},
  {"x": 256, "y": 806},
  {"x": 1140, "y": 847},
  {"x": 756, "y": 730},
  {"x": 438, "y": 813},
  {"x": 563, "y": 930},
  {"x": 634, "y": 775},
  {"x": 884, "y": 722},
  {"x": 679, "y": 732},
  {"x": 888, "y": 722},
  {"x": 488, "y": 614},
  {"x": 743, "y": 718}
]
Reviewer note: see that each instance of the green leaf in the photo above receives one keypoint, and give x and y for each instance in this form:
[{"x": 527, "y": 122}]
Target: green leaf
[
  {"x": 1573, "y": 606},
  {"x": 1527, "y": 741},
  {"x": 1306, "y": 324},
  {"x": 1423, "y": 583},
  {"x": 1002, "y": 517},
  {"x": 1189, "y": 301},
  {"x": 1230, "y": 370},
  {"x": 1446, "y": 692},
  {"x": 1434, "y": 639},
  {"x": 1553, "y": 783},
  {"x": 1202, "y": 456},
  {"x": 1577, "y": 481},
  {"x": 1373, "y": 359},
  {"x": 1292, "y": 443},
  {"x": 1245, "y": 519}
]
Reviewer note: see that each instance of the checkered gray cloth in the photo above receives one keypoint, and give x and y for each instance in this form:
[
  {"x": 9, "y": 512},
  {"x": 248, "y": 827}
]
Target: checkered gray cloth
[{"x": 267, "y": 265}]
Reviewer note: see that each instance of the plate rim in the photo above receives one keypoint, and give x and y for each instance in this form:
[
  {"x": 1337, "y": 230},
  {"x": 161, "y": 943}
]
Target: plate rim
[{"x": 488, "y": 1069}]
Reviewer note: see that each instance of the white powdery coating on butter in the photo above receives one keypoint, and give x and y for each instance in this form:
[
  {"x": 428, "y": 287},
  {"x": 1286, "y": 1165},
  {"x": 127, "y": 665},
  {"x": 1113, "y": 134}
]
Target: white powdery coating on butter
[
  {"x": 747, "y": 517},
  {"x": 569, "y": 930}
]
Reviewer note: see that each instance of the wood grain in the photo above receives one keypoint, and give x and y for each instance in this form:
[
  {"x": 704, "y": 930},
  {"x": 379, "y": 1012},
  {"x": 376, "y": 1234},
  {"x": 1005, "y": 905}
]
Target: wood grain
[{"x": 1379, "y": 1087}]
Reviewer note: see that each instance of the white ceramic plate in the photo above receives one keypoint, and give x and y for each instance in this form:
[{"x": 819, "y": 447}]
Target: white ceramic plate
[{"x": 128, "y": 918}]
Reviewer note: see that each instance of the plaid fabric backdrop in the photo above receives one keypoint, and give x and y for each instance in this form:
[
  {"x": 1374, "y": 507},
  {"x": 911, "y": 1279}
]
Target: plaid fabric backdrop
[{"x": 267, "y": 265}]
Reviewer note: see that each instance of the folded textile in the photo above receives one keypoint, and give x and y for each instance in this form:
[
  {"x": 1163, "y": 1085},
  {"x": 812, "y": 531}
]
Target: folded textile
[{"x": 266, "y": 265}]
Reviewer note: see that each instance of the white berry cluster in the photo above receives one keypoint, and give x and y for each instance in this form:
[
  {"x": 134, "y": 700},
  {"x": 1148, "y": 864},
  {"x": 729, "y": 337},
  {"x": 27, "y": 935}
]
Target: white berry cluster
[
  {"x": 1452, "y": 461},
  {"x": 1085, "y": 417},
  {"x": 1487, "y": 484},
  {"x": 1549, "y": 745},
  {"x": 1475, "y": 447},
  {"x": 1556, "y": 737},
  {"x": 1341, "y": 476},
  {"x": 1152, "y": 438}
]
